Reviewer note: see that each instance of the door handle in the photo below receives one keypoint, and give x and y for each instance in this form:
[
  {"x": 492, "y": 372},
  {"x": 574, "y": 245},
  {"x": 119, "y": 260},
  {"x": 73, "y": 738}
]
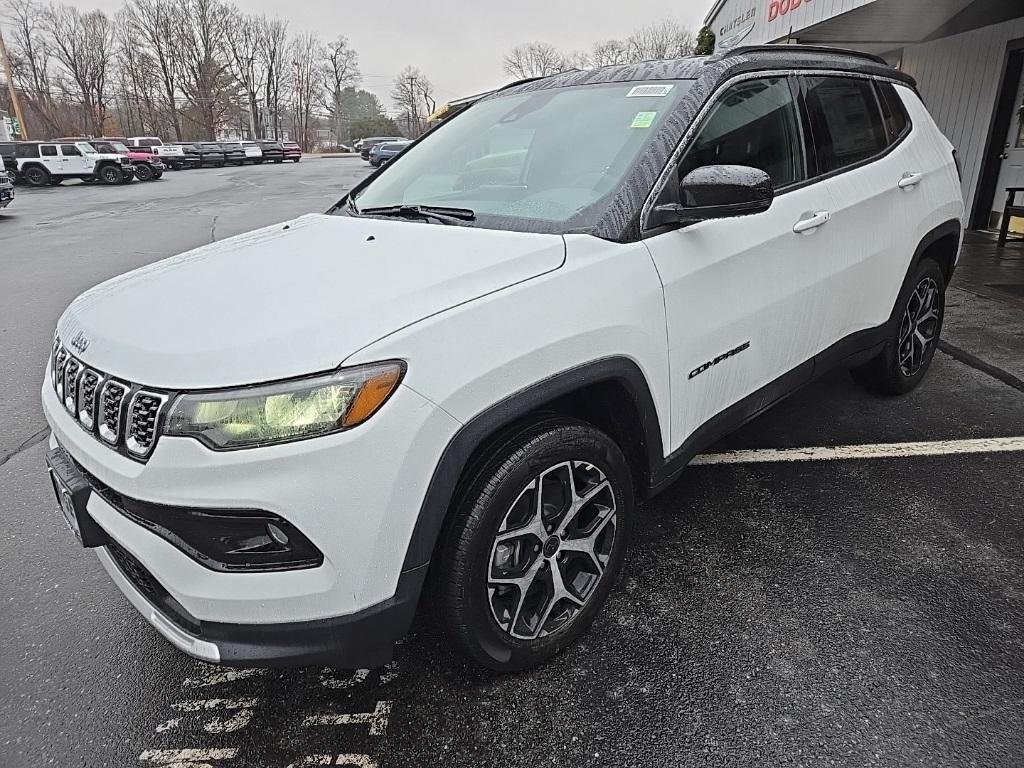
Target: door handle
[
  {"x": 911, "y": 180},
  {"x": 811, "y": 221}
]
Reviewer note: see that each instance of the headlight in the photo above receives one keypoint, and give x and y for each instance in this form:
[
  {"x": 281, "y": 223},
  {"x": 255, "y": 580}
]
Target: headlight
[{"x": 285, "y": 411}]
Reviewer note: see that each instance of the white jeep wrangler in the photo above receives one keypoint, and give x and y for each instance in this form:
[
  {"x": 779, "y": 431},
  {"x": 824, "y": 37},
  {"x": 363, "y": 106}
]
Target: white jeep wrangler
[
  {"x": 474, "y": 365},
  {"x": 42, "y": 163}
]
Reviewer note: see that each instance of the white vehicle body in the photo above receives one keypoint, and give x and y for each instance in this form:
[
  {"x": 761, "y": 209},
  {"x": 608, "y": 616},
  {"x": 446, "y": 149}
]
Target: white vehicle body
[
  {"x": 67, "y": 160},
  {"x": 165, "y": 152},
  {"x": 709, "y": 323},
  {"x": 253, "y": 151}
]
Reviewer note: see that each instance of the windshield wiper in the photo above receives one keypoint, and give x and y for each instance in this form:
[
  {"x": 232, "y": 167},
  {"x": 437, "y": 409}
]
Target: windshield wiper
[{"x": 438, "y": 212}]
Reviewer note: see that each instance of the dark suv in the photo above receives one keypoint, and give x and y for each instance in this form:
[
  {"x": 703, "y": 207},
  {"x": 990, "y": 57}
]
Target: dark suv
[
  {"x": 233, "y": 153},
  {"x": 273, "y": 151},
  {"x": 365, "y": 145},
  {"x": 192, "y": 158}
]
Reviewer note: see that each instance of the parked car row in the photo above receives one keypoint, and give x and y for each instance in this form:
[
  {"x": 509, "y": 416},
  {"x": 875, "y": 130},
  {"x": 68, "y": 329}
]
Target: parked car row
[
  {"x": 6, "y": 187},
  {"x": 118, "y": 160},
  {"x": 217, "y": 154}
]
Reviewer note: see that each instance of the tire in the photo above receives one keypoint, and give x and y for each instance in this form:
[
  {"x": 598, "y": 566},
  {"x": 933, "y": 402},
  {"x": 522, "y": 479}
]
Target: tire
[
  {"x": 913, "y": 334},
  {"x": 157, "y": 175},
  {"x": 144, "y": 172},
  {"x": 36, "y": 176},
  {"x": 110, "y": 174},
  {"x": 296, "y": 159},
  {"x": 507, "y": 627}
]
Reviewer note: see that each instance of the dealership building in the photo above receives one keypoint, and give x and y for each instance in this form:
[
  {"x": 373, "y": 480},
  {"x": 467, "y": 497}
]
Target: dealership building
[{"x": 967, "y": 57}]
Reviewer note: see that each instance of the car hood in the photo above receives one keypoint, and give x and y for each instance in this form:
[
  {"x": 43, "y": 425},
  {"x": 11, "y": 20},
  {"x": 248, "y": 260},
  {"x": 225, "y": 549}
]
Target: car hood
[{"x": 290, "y": 299}]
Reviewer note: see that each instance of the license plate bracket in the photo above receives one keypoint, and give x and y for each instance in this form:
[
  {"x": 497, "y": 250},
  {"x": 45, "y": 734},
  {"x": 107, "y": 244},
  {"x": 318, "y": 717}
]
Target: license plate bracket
[{"x": 72, "y": 490}]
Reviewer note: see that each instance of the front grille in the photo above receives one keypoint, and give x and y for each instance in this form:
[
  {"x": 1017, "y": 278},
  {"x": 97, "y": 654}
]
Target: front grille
[
  {"x": 142, "y": 416},
  {"x": 123, "y": 415}
]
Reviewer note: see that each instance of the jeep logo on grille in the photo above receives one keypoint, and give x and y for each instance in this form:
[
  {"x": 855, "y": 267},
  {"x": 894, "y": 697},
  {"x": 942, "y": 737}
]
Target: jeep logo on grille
[{"x": 80, "y": 342}]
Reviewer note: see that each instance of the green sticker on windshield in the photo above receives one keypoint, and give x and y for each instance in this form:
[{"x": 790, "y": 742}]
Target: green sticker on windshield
[{"x": 643, "y": 119}]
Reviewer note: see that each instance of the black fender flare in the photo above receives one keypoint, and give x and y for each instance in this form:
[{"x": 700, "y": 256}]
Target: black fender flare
[
  {"x": 944, "y": 230},
  {"x": 475, "y": 432}
]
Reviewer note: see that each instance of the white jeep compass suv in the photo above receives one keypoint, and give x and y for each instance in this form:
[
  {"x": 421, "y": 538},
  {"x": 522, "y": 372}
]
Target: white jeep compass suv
[{"x": 472, "y": 368}]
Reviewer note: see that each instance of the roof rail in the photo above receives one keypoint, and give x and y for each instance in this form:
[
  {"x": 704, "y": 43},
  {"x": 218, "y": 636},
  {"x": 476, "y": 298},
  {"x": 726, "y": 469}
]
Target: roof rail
[{"x": 800, "y": 48}]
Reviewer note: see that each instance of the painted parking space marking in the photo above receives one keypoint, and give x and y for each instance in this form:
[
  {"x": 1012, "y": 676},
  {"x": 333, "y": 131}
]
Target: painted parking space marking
[
  {"x": 352, "y": 761},
  {"x": 210, "y": 674},
  {"x": 377, "y": 720},
  {"x": 871, "y": 451},
  {"x": 173, "y": 758}
]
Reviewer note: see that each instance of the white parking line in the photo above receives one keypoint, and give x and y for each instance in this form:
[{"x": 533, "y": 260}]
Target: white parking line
[
  {"x": 377, "y": 720},
  {"x": 178, "y": 757},
  {"x": 873, "y": 451},
  {"x": 212, "y": 675}
]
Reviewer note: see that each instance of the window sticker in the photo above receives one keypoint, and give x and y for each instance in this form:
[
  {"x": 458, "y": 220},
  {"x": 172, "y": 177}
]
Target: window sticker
[
  {"x": 643, "y": 119},
  {"x": 649, "y": 90}
]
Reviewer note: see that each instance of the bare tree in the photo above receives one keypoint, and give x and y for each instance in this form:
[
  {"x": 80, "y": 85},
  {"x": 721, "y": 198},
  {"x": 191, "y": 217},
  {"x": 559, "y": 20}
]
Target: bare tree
[
  {"x": 205, "y": 79},
  {"x": 537, "y": 59},
  {"x": 154, "y": 26},
  {"x": 276, "y": 71},
  {"x": 306, "y": 53},
  {"x": 30, "y": 58},
  {"x": 413, "y": 95},
  {"x": 83, "y": 43},
  {"x": 608, "y": 52},
  {"x": 244, "y": 37},
  {"x": 341, "y": 71},
  {"x": 665, "y": 39}
]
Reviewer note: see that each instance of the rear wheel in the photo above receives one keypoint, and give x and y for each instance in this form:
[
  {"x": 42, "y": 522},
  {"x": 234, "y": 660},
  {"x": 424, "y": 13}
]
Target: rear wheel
[
  {"x": 536, "y": 544},
  {"x": 913, "y": 335},
  {"x": 144, "y": 172},
  {"x": 36, "y": 176},
  {"x": 110, "y": 174}
]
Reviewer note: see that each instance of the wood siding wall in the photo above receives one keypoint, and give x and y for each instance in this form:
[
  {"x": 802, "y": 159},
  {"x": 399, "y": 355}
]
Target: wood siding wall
[{"x": 959, "y": 78}]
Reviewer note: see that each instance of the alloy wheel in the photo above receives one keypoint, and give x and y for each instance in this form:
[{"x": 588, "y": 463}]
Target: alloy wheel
[
  {"x": 920, "y": 327},
  {"x": 551, "y": 550}
]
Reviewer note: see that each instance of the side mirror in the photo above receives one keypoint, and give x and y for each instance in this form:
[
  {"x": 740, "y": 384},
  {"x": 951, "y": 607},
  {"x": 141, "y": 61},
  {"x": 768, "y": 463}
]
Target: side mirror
[{"x": 720, "y": 192}]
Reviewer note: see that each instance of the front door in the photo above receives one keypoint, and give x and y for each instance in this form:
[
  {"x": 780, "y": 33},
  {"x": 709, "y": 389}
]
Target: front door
[
  {"x": 73, "y": 162},
  {"x": 1011, "y": 174},
  {"x": 742, "y": 296}
]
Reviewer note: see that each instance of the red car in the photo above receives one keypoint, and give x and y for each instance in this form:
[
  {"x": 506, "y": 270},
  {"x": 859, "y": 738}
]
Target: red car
[
  {"x": 148, "y": 167},
  {"x": 292, "y": 151}
]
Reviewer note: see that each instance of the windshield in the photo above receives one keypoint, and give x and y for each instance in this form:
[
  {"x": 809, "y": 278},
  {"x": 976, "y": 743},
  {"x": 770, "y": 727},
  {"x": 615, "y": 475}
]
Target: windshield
[
  {"x": 86, "y": 148},
  {"x": 544, "y": 155},
  {"x": 119, "y": 147}
]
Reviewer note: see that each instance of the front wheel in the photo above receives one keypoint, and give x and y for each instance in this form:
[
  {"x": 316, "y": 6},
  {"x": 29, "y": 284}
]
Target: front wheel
[
  {"x": 111, "y": 174},
  {"x": 143, "y": 172},
  {"x": 914, "y": 331},
  {"x": 536, "y": 544}
]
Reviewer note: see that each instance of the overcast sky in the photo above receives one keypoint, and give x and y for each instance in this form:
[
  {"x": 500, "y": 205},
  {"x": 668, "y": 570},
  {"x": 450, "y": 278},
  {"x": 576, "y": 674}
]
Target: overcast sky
[{"x": 459, "y": 44}]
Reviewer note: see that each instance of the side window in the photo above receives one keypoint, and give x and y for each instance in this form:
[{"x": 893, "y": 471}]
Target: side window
[
  {"x": 144, "y": 143},
  {"x": 48, "y": 150},
  {"x": 754, "y": 124},
  {"x": 26, "y": 150},
  {"x": 894, "y": 112},
  {"x": 70, "y": 150},
  {"x": 845, "y": 120}
]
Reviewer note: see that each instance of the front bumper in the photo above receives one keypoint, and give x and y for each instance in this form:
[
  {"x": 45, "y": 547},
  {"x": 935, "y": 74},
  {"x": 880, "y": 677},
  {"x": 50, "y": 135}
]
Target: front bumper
[
  {"x": 363, "y": 640},
  {"x": 356, "y": 495}
]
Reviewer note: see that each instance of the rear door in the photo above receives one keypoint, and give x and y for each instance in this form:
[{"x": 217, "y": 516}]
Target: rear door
[
  {"x": 743, "y": 296},
  {"x": 51, "y": 159},
  {"x": 871, "y": 174}
]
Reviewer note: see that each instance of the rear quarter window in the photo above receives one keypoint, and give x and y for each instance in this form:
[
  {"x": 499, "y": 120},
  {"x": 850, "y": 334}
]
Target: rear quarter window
[
  {"x": 846, "y": 121},
  {"x": 894, "y": 112}
]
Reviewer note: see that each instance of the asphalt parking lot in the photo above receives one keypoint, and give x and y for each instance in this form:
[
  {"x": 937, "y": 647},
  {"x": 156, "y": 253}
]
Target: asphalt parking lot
[{"x": 845, "y": 612}]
